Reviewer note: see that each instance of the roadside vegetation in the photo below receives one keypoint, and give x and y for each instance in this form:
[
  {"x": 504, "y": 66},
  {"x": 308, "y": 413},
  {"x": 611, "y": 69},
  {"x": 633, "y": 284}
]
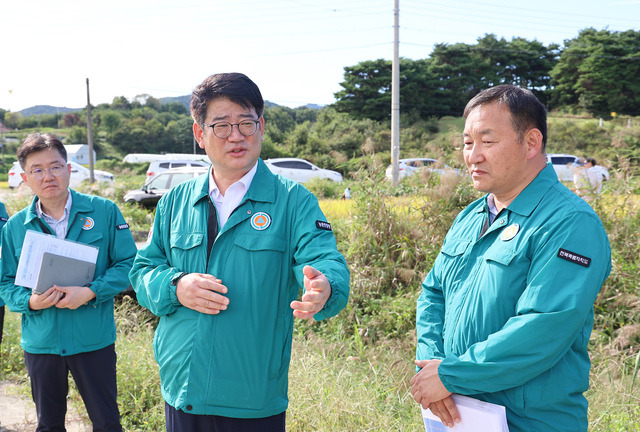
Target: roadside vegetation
[{"x": 352, "y": 372}]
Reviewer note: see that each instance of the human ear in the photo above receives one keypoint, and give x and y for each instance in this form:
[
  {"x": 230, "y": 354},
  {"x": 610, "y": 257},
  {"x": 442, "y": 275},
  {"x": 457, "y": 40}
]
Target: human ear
[{"x": 533, "y": 140}]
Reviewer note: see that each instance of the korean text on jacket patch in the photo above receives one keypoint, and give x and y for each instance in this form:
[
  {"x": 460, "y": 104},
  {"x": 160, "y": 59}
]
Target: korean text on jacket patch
[
  {"x": 574, "y": 257},
  {"x": 123, "y": 226},
  {"x": 323, "y": 225}
]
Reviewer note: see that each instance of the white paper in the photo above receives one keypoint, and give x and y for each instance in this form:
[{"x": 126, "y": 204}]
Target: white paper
[
  {"x": 36, "y": 244},
  {"x": 475, "y": 415}
]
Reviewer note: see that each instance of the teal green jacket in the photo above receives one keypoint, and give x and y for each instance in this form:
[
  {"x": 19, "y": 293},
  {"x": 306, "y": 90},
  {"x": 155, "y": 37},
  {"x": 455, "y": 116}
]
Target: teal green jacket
[
  {"x": 4, "y": 217},
  {"x": 94, "y": 221},
  {"x": 510, "y": 313},
  {"x": 235, "y": 364}
]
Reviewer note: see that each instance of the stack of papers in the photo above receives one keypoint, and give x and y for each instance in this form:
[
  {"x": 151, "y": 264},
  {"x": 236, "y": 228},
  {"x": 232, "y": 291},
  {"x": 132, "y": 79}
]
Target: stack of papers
[
  {"x": 46, "y": 260},
  {"x": 475, "y": 416}
]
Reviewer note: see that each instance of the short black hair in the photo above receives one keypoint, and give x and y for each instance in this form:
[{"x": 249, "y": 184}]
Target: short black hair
[
  {"x": 526, "y": 110},
  {"x": 236, "y": 87},
  {"x": 36, "y": 142}
]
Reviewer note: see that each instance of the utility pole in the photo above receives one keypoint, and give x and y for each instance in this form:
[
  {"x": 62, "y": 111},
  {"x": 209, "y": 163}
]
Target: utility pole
[
  {"x": 90, "y": 136},
  {"x": 395, "y": 98}
]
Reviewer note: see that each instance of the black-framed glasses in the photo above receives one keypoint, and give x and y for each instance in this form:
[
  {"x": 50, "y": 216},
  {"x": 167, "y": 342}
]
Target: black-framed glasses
[
  {"x": 223, "y": 129},
  {"x": 54, "y": 170}
]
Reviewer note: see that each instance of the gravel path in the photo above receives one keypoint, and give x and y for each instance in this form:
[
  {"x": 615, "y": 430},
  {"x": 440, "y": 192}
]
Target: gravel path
[{"x": 18, "y": 414}]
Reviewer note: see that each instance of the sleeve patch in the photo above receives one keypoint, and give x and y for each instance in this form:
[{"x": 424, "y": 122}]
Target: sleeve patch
[
  {"x": 574, "y": 257},
  {"x": 323, "y": 225},
  {"x": 123, "y": 226}
]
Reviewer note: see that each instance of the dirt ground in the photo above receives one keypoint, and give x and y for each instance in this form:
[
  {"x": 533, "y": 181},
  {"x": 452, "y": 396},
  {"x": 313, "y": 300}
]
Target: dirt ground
[{"x": 18, "y": 413}]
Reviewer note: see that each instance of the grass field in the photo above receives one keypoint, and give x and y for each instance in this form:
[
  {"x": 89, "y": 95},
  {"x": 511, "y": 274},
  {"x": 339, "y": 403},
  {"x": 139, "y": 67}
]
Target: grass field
[{"x": 352, "y": 373}]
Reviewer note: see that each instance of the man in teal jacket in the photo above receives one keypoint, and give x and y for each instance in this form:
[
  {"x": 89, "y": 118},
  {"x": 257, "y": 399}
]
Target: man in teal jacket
[
  {"x": 506, "y": 312},
  {"x": 228, "y": 254},
  {"x": 4, "y": 217},
  {"x": 67, "y": 328}
]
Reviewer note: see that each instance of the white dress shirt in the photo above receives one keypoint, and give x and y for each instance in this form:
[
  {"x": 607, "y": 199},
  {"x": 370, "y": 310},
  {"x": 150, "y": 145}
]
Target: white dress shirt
[{"x": 227, "y": 203}]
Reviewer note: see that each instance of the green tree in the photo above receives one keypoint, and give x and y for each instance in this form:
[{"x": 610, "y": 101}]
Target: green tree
[
  {"x": 111, "y": 120},
  {"x": 12, "y": 119},
  {"x": 366, "y": 90},
  {"x": 599, "y": 71}
]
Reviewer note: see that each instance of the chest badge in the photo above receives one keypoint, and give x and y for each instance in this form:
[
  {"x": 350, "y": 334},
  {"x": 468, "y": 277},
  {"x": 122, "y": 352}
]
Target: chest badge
[
  {"x": 88, "y": 224},
  {"x": 260, "y": 221},
  {"x": 509, "y": 232}
]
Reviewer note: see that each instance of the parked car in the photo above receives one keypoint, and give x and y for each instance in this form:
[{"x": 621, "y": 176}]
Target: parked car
[
  {"x": 78, "y": 174},
  {"x": 149, "y": 194},
  {"x": 300, "y": 170},
  {"x": 156, "y": 167},
  {"x": 563, "y": 165},
  {"x": 410, "y": 166}
]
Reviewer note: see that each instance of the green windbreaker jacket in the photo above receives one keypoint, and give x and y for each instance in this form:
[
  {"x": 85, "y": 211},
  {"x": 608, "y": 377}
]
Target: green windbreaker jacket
[
  {"x": 236, "y": 363},
  {"x": 94, "y": 221},
  {"x": 510, "y": 313}
]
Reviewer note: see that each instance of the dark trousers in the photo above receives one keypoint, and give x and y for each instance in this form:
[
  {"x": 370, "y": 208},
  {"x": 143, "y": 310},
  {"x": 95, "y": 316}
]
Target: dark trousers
[
  {"x": 95, "y": 376},
  {"x": 1, "y": 322},
  {"x": 179, "y": 421}
]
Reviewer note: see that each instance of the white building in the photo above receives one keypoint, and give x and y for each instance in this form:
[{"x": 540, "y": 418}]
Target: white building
[{"x": 79, "y": 153}]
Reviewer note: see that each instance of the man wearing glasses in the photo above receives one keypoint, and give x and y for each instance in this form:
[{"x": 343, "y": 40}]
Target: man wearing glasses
[
  {"x": 229, "y": 253},
  {"x": 67, "y": 328}
]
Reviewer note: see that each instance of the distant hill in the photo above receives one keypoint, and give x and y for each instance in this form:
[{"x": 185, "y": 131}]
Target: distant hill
[
  {"x": 184, "y": 100},
  {"x": 46, "y": 109}
]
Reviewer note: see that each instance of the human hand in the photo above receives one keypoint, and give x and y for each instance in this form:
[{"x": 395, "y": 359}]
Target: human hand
[
  {"x": 74, "y": 296},
  {"x": 426, "y": 386},
  {"x": 45, "y": 300},
  {"x": 317, "y": 292},
  {"x": 446, "y": 411},
  {"x": 199, "y": 291}
]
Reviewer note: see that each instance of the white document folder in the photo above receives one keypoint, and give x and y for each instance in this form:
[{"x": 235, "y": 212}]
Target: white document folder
[
  {"x": 48, "y": 260},
  {"x": 475, "y": 415}
]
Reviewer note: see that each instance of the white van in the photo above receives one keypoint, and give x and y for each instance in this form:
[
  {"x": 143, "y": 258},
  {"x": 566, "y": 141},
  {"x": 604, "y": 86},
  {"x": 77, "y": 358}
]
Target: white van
[{"x": 158, "y": 166}]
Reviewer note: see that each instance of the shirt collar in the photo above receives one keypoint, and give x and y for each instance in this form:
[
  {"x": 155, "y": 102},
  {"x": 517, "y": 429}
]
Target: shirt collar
[
  {"x": 67, "y": 207},
  {"x": 245, "y": 181}
]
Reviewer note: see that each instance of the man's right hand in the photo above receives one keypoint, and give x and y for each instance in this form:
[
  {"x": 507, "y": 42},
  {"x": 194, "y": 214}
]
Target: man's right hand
[
  {"x": 199, "y": 292},
  {"x": 45, "y": 300}
]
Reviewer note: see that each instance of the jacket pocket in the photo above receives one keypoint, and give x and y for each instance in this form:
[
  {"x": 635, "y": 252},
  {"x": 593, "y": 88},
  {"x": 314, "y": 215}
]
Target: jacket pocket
[
  {"x": 500, "y": 255},
  {"x": 183, "y": 245},
  {"x": 260, "y": 242},
  {"x": 454, "y": 248}
]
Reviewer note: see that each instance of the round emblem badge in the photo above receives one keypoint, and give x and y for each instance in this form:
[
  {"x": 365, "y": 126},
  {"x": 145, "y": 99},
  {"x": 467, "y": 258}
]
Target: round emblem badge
[
  {"x": 260, "y": 221},
  {"x": 509, "y": 232},
  {"x": 88, "y": 224}
]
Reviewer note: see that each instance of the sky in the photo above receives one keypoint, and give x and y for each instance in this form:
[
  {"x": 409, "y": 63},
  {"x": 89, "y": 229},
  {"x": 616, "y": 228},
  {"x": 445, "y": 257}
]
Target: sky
[{"x": 294, "y": 50}]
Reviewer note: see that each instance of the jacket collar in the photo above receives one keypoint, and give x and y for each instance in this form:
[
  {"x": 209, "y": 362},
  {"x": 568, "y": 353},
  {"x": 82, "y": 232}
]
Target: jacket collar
[
  {"x": 530, "y": 197},
  {"x": 79, "y": 204},
  {"x": 263, "y": 186}
]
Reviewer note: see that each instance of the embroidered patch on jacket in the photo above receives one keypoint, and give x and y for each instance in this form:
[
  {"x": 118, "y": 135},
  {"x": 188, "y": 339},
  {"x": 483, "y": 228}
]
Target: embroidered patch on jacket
[
  {"x": 88, "y": 224},
  {"x": 260, "y": 221},
  {"x": 574, "y": 257},
  {"x": 123, "y": 226},
  {"x": 323, "y": 225}
]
